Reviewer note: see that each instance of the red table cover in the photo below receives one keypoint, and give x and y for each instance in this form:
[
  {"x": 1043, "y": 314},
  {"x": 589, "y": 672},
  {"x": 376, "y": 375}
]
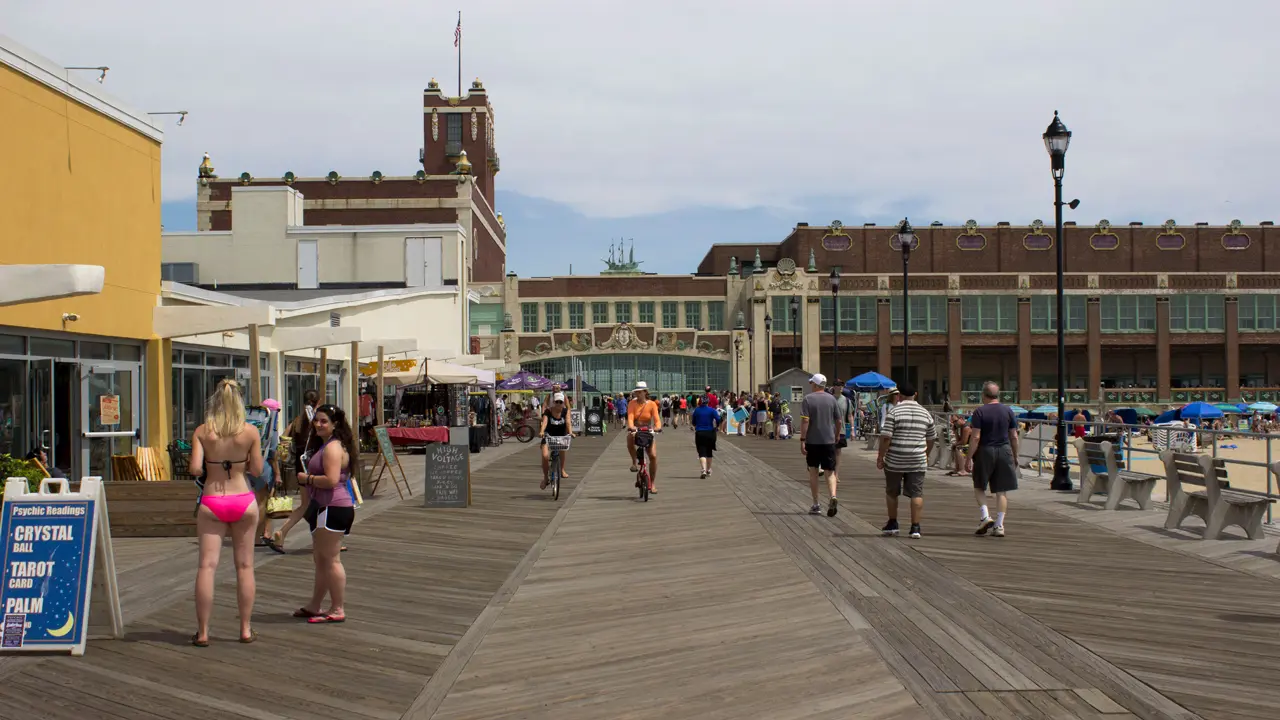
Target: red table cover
[{"x": 414, "y": 436}]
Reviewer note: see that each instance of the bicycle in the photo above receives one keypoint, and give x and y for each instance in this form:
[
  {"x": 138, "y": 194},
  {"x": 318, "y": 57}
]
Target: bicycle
[
  {"x": 556, "y": 444},
  {"x": 524, "y": 432},
  {"x": 644, "y": 439}
]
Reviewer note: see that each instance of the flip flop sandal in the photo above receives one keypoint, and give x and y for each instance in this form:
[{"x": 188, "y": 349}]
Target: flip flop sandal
[
  {"x": 196, "y": 641},
  {"x": 343, "y": 549},
  {"x": 305, "y": 613},
  {"x": 253, "y": 636},
  {"x": 324, "y": 619},
  {"x": 271, "y": 544}
]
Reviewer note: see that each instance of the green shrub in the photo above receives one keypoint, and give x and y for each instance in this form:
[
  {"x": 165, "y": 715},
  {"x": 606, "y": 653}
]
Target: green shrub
[{"x": 17, "y": 467}]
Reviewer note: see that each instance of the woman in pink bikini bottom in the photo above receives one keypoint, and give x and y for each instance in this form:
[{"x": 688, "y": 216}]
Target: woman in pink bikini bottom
[{"x": 227, "y": 503}]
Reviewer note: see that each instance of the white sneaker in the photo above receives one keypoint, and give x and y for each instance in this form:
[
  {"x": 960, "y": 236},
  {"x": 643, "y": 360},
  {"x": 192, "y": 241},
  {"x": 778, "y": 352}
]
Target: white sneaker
[{"x": 998, "y": 531}]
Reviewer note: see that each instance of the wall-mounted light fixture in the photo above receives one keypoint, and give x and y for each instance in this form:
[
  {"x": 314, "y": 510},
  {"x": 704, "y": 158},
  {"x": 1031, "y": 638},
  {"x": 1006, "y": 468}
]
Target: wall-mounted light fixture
[
  {"x": 102, "y": 71},
  {"x": 182, "y": 115}
]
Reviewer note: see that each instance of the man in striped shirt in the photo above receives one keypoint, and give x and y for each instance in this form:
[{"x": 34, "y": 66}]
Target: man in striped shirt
[{"x": 905, "y": 443}]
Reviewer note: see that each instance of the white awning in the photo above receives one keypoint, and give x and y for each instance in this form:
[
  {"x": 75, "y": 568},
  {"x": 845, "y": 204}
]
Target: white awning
[
  {"x": 33, "y": 283},
  {"x": 449, "y": 374}
]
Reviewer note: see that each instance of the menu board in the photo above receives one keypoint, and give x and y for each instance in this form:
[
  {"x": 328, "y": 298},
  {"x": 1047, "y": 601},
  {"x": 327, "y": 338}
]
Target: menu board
[{"x": 448, "y": 476}]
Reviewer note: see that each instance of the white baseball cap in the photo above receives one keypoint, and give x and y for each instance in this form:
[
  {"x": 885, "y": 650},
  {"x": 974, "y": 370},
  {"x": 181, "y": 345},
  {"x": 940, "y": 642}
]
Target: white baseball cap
[
  {"x": 641, "y": 385},
  {"x": 558, "y": 397},
  {"x": 818, "y": 379}
]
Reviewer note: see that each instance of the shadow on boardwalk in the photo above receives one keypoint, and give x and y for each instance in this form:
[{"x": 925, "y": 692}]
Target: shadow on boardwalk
[{"x": 1059, "y": 604}]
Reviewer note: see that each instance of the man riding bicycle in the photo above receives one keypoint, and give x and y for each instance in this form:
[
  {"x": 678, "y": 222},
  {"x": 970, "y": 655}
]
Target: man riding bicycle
[{"x": 643, "y": 412}]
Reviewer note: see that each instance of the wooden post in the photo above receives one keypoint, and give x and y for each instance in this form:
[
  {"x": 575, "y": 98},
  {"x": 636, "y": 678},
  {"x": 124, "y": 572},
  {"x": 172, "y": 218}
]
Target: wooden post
[
  {"x": 324, "y": 376},
  {"x": 379, "y": 405},
  {"x": 354, "y": 412},
  {"x": 255, "y": 368}
]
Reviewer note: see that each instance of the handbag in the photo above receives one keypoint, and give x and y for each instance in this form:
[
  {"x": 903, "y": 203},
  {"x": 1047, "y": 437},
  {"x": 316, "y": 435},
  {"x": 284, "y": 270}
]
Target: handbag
[{"x": 279, "y": 506}]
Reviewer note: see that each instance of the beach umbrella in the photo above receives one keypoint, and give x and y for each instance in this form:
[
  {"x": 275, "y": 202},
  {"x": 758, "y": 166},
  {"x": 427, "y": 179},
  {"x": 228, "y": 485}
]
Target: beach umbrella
[
  {"x": 524, "y": 380},
  {"x": 1168, "y": 416},
  {"x": 871, "y": 381},
  {"x": 1145, "y": 412},
  {"x": 1227, "y": 407},
  {"x": 1017, "y": 410},
  {"x": 1200, "y": 410},
  {"x": 1265, "y": 407},
  {"x": 1046, "y": 409}
]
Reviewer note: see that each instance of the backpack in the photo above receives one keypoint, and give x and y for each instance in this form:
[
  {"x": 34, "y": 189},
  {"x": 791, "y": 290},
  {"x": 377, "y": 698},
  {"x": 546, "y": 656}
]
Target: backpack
[{"x": 666, "y": 404}]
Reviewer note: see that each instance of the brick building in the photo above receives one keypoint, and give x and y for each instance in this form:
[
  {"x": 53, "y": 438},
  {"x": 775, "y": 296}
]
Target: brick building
[{"x": 1154, "y": 314}]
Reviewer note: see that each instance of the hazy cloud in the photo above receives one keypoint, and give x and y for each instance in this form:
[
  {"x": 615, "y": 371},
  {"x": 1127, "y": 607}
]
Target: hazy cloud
[{"x": 619, "y": 108}]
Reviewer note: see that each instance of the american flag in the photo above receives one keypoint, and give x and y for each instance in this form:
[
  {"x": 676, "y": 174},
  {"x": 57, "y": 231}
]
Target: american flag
[{"x": 457, "y": 32}]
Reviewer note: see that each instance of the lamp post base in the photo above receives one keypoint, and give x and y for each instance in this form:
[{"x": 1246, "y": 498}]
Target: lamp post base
[{"x": 1061, "y": 476}]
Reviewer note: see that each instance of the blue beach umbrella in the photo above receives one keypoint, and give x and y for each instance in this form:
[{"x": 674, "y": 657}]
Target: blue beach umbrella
[
  {"x": 1018, "y": 410},
  {"x": 871, "y": 381},
  {"x": 1046, "y": 409},
  {"x": 1201, "y": 410},
  {"x": 1265, "y": 407}
]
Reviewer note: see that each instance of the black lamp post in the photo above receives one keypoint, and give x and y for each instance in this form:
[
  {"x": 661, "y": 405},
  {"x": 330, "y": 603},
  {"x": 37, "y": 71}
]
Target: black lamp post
[
  {"x": 751, "y": 350},
  {"x": 1056, "y": 139},
  {"x": 835, "y": 311},
  {"x": 795, "y": 326},
  {"x": 768, "y": 347},
  {"x": 906, "y": 240}
]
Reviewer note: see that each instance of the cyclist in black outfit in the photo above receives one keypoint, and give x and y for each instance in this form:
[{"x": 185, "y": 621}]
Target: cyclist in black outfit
[{"x": 555, "y": 423}]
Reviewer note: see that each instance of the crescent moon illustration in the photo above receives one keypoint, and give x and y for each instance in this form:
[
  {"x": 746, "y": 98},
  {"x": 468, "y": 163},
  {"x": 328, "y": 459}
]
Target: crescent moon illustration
[{"x": 71, "y": 622}]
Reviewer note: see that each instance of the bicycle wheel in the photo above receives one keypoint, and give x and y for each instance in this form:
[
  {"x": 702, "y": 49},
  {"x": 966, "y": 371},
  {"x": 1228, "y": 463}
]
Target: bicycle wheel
[
  {"x": 555, "y": 478},
  {"x": 524, "y": 433},
  {"x": 644, "y": 483}
]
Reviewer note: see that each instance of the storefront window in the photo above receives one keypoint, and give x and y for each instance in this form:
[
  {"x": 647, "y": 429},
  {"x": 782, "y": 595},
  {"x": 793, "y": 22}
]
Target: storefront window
[
  {"x": 48, "y": 347},
  {"x": 13, "y": 345},
  {"x": 95, "y": 350},
  {"x": 13, "y": 427}
]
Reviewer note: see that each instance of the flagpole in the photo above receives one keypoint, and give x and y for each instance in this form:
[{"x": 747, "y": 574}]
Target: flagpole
[{"x": 459, "y": 53}]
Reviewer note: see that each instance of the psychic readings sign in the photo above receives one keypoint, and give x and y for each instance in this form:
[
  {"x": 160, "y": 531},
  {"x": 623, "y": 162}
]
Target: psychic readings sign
[{"x": 48, "y": 557}]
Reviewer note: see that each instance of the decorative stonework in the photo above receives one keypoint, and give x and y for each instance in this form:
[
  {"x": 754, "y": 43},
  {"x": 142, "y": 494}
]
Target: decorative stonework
[
  {"x": 1037, "y": 239},
  {"x": 813, "y": 285},
  {"x": 1162, "y": 281},
  {"x": 508, "y": 347},
  {"x": 289, "y": 177},
  {"x": 376, "y": 177},
  {"x": 786, "y": 282},
  {"x": 1093, "y": 280},
  {"x": 669, "y": 342},
  {"x": 837, "y": 240},
  {"x": 707, "y": 348},
  {"x": 1236, "y": 239},
  {"x": 1169, "y": 237},
  {"x": 1231, "y": 281},
  {"x": 333, "y": 177},
  {"x": 475, "y": 124},
  {"x": 787, "y": 266},
  {"x": 971, "y": 239},
  {"x": 541, "y": 348},
  {"x": 245, "y": 178},
  {"x": 882, "y": 283},
  {"x": 577, "y": 342},
  {"x": 953, "y": 282},
  {"x": 1024, "y": 282},
  {"x": 1103, "y": 238},
  {"x": 624, "y": 338},
  {"x": 435, "y": 125}
]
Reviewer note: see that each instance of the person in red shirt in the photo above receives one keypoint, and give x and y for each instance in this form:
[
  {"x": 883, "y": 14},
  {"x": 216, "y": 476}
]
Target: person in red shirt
[{"x": 712, "y": 400}]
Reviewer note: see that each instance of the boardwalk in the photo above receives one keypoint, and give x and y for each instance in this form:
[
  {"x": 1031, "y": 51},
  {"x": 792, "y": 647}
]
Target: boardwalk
[{"x": 719, "y": 598}]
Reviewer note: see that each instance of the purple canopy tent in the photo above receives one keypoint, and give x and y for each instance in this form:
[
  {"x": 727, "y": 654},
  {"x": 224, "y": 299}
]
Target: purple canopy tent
[{"x": 524, "y": 380}]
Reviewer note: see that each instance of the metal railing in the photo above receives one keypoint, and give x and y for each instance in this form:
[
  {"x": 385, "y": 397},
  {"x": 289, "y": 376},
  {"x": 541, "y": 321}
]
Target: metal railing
[{"x": 1205, "y": 440}]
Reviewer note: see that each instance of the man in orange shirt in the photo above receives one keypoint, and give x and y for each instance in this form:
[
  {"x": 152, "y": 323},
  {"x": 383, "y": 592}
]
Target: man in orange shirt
[{"x": 643, "y": 412}]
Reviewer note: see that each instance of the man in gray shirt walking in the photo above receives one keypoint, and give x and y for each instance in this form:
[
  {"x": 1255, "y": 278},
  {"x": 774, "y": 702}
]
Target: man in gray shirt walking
[{"x": 819, "y": 429}]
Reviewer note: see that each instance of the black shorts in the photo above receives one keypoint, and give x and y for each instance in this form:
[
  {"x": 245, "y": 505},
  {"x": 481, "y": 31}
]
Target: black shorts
[
  {"x": 705, "y": 442},
  {"x": 994, "y": 469},
  {"x": 332, "y": 518},
  {"x": 821, "y": 456}
]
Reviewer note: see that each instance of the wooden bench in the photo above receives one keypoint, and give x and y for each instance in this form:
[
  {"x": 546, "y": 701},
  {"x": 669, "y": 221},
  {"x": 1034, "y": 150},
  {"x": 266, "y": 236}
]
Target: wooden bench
[
  {"x": 1119, "y": 484},
  {"x": 1217, "y": 505}
]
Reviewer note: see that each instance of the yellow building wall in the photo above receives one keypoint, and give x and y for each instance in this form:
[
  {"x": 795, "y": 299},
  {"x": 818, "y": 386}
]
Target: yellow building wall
[{"x": 78, "y": 187}]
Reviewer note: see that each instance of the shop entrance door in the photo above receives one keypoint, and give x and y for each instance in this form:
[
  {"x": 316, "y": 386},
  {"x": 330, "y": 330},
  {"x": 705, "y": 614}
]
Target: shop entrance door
[
  {"x": 110, "y": 419},
  {"x": 53, "y": 403}
]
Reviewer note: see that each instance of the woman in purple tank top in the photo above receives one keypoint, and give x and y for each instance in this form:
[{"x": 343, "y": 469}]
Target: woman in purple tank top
[{"x": 331, "y": 512}]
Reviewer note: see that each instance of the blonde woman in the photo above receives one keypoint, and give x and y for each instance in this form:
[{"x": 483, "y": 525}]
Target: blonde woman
[{"x": 223, "y": 450}]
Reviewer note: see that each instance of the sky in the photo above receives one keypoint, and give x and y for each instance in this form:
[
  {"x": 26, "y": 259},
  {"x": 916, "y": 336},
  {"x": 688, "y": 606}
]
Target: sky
[{"x": 680, "y": 124}]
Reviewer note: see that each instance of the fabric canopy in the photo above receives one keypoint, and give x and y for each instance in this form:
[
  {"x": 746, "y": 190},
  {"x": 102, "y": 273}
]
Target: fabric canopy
[
  {"x": 443, "y": 373},
  {"x": 871, "y": 381},
  {"x": 1200, "y": 410},
  {"x": 524, "y": 380},
  {"x": 586, "y": 386}
]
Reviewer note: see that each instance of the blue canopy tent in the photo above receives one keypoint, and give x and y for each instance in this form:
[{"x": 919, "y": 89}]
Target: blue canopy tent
[
  {"x": 586, "y": 386},
  {"x": 1168, "y": 416},
  {"x": 871, "y": 381},
  {"x": 1128, "y": 416}
]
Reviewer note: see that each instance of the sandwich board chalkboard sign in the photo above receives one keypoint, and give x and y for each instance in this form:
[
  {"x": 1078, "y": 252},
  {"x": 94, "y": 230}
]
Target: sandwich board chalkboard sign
[{"x": 448, "y": 476}]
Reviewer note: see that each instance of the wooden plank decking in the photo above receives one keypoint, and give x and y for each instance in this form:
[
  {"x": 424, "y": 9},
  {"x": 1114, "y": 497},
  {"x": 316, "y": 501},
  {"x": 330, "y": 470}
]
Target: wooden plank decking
[
  {"x": 719, "y": 598},
  {"x": 1060, "y": 603}
]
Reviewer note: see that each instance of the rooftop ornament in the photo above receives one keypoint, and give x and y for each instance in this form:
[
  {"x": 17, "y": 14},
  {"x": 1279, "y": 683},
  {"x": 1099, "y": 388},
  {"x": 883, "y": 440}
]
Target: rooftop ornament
[{"x": 333, "y": 177}]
